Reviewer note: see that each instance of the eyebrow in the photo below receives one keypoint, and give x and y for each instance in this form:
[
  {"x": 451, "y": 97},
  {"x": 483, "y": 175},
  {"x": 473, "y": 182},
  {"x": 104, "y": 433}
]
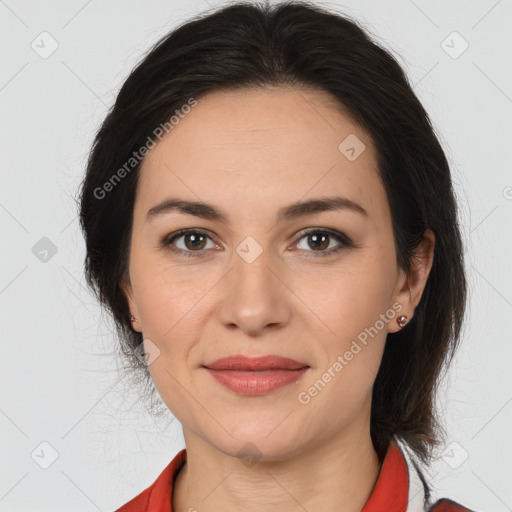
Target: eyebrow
[{"x": 287, "y": 213}]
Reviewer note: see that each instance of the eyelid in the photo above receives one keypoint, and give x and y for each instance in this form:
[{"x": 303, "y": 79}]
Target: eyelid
[
  {"x": 168, "y": 240},
  {"x": 345, "y": 241},
  {"x": 331, "y": 232}
]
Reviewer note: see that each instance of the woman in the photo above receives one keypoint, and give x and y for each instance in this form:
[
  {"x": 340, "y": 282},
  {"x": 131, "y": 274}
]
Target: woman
[{"x": 270, "y": 219}]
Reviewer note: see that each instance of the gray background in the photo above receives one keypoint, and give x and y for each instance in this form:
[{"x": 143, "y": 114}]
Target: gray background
[{"x": 60, "y": 383}]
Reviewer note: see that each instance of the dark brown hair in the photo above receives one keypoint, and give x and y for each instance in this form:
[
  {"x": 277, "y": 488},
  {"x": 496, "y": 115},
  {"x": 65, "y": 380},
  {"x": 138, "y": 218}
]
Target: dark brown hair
[{"x": 298, "y": 44}]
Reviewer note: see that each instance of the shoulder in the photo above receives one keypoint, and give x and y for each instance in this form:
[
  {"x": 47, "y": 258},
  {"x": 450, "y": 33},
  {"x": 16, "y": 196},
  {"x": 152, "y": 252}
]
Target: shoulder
[
  {"x": 158, "y": 496},
  {"x": 137, "y": 504},
  {"x": 447, "y": 505},
  {"x": 420, "y": 493}
]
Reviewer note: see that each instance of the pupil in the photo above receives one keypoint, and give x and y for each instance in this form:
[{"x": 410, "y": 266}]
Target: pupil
[
  {"x": 196, "y": 240},
  {"x": 317, "y": 238}
]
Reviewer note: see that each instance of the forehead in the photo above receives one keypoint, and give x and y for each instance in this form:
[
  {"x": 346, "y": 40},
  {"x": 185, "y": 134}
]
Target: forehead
[{"x": 274, "y": 145}]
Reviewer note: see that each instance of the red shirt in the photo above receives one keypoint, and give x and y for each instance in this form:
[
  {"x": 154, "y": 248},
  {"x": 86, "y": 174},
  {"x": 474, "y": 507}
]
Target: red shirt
[{"x": 390, "y": 494}]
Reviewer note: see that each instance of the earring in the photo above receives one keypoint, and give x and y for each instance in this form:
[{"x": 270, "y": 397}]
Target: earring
[
  {"x": 401, "y": 321},
  {"x": 133, "y": 319}
]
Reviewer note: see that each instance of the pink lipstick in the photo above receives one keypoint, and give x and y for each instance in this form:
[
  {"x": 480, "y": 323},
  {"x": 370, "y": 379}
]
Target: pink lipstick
[{"x": 256, "y": 376}]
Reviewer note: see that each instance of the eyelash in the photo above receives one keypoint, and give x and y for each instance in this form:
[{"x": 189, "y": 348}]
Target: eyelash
[{"x": 345, "y": 242}]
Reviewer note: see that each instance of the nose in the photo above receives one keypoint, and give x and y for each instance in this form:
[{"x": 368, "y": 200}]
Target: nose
[{"x": 254, "y": 296}]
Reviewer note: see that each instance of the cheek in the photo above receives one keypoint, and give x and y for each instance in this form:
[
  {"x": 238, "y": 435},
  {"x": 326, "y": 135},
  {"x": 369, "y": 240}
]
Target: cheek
[
  {"x": 166, "y": 298},
  {"x": 172, "y": 312},
  {"x": 350, "y": 299},
  {"x": 350, "y": 308}
]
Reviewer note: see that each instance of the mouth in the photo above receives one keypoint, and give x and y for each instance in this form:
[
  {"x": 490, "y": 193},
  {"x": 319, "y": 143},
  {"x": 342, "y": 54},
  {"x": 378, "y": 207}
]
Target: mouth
[
  {"x": 263, "y": 363},
  {"x": 256, "y": 376}
]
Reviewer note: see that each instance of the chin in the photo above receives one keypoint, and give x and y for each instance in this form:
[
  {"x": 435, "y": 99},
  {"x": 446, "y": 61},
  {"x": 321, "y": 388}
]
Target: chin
[{"x": 254, "y": 442}]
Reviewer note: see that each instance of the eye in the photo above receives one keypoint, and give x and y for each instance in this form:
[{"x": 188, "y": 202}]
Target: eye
[
  {"x": 320, "y": 240},
  {"x": 193, "y": 242}
]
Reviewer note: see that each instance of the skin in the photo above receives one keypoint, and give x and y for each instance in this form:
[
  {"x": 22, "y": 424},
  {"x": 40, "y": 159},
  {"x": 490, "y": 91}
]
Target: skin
[{"x": 250, "y": 153}]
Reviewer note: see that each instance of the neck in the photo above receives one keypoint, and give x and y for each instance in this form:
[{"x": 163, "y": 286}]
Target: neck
[{"x": 338, "y": 474}]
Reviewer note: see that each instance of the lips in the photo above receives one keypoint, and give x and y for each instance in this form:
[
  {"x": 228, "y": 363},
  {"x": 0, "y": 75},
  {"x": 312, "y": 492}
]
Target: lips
[
  {"x": 256, "y": 376},
  {"x": 247, "y": 364}
]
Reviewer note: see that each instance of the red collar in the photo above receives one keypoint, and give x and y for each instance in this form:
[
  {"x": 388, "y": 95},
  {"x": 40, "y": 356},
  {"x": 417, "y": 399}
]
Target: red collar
[{"x": 390, "y": 492}]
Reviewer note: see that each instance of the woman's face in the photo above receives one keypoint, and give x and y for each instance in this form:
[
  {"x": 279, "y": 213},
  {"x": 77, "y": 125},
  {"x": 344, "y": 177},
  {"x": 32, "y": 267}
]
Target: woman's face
[{"x": 254, "y": 282}]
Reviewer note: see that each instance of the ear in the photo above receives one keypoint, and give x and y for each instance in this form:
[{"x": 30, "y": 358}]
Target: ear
[
  {"x": 126, "y": 286},
  {"x": 409, "y": 287}
]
